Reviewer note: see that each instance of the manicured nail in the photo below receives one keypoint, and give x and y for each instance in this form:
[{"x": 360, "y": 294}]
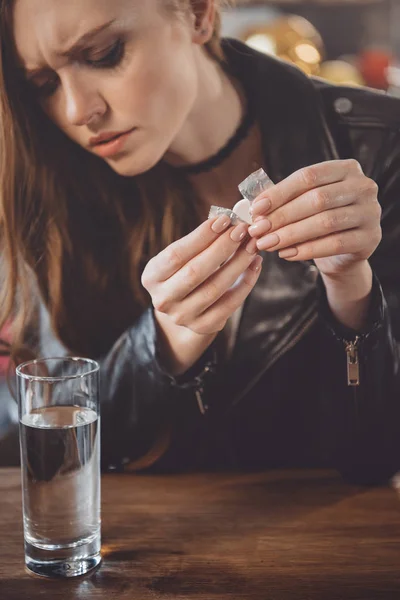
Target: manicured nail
[
  {"x": 262, "y": 226},
  {"x": 239, "y": 232},
  {"x": 221, "y": 224},
  {"x": 251, "y": 247},
  {"x": 261, "y": 206},
  {"x": 288, "y": 253},
  {"x": 256, "y": 264},
  {"x": 268, "y": 241}
]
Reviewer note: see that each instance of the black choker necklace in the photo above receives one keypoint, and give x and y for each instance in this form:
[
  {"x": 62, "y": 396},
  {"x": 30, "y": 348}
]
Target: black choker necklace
[{"x": 231, "y": 145}]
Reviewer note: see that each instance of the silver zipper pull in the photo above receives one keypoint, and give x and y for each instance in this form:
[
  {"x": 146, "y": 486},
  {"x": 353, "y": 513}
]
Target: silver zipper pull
[
  {"x": 353, "y": 365},
  {"x": 202, "y": 407}
]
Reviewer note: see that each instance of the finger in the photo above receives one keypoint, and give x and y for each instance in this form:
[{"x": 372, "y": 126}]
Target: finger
[
  {"x": 172, "y": 291},
  {"x": 230, "y": 301},
  {"x": 304, "y": 180},
  {"x": 321, "y": 225},
  {"x": 202, "y": 266},
  {"x": 207, "y": 294},
  {"x": 346, "y": 242},
  {"x": 314, "y": 202},
  {"x": 177, "y": 254}
]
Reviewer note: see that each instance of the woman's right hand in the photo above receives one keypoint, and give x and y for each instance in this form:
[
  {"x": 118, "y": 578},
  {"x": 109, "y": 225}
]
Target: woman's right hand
[{"x": 190, "y": 290}]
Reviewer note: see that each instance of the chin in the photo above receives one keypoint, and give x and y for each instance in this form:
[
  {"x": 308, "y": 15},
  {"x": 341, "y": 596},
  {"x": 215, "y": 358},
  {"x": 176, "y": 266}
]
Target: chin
[{"x": 136, "y": 163}]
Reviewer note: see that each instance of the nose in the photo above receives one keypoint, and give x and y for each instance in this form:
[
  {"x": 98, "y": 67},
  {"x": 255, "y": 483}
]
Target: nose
[{"x": 84, "y": 103}]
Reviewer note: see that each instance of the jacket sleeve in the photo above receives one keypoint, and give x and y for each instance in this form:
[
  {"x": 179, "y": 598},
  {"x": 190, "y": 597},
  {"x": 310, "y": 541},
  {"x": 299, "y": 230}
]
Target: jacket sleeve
[
  {"x": 140, "y": 401},
  {"x": 363, "y": 421}
]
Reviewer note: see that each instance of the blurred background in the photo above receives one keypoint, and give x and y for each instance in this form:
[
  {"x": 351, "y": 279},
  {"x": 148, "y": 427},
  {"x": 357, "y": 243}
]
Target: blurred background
[{"x": 350, "y": 42}]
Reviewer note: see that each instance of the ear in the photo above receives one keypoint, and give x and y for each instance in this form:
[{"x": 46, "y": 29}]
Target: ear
[{"x": 203, "y": 16}]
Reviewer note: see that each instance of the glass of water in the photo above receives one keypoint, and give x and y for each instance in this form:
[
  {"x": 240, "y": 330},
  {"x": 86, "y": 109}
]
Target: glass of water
[{"x": 60, "y": 460}]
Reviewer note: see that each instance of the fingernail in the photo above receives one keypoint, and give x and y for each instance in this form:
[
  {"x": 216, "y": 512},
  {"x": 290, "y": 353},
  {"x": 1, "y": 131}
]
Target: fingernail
[
  {"x": 269, "y": 241},
  {"x": 288, "y": 253},
  {"x": 221, "y": 224},
  {"x": 239, "y": 232},
  {"x": 262, "y": 226},
  {"x": 256, "y": 264},
  {"x": 251, "y": 247},
  {"x": 261, "y": 206}
]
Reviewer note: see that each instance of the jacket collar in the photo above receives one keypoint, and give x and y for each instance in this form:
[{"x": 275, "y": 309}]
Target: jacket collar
[{"x": 289, "y": 110}]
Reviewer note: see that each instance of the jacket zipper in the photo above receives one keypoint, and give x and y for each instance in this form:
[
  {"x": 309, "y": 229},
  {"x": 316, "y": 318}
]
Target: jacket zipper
[
  {"x": 353, "y": 363},
  {"x": 353, "y": 371},
  {"x": 203, "y": 408}
]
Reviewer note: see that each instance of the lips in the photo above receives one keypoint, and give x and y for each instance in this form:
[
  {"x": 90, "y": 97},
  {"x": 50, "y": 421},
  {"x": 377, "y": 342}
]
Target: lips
[
  {"x": 104, "y": 138},
  {"x": 110, "y": 144}
]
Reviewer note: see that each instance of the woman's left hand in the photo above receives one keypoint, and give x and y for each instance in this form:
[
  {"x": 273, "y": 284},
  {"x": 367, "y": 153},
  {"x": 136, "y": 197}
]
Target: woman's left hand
[{"x": 327, "y": 212}]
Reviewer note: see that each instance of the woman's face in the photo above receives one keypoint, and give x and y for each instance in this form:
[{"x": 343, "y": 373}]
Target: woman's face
[{"x": 108, "y": 67}]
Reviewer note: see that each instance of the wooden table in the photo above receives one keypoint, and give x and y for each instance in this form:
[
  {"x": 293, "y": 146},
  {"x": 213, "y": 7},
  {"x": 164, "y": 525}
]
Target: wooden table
[{"x": 280, "y": 535}]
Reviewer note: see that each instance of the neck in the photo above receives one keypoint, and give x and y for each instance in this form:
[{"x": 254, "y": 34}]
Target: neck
[
  {"x": 220, "y": 185},
  {"x": 215, "y": 115}
]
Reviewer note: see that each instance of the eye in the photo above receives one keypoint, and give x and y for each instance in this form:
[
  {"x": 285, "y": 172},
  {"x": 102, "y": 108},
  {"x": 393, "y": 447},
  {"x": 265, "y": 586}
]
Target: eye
[
  {"x": 111, "y": 57},
  {"x": 46, "y": 89},
  {"x": 107, "y": 59}
]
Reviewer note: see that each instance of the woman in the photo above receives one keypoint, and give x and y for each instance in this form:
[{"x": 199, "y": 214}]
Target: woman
[{"x": 122, "y": 123}]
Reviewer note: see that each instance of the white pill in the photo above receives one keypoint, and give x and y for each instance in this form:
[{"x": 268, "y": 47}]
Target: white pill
[{"x": 242, "y": 209}]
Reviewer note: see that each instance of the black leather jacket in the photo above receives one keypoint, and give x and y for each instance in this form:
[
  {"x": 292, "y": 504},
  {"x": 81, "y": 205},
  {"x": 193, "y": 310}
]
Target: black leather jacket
[{"x": 282, "y": 398}]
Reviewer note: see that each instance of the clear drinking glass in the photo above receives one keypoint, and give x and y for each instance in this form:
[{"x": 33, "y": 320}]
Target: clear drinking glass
[{"x": 60, "y": 461}]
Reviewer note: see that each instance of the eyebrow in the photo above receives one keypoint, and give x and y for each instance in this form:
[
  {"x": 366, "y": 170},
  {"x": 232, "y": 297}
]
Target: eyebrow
[{"x": 78, "y": 45}]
